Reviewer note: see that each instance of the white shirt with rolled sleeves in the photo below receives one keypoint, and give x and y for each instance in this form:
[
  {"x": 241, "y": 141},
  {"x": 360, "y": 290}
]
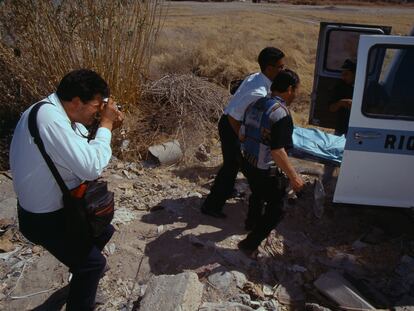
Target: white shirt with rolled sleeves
[
  {"x": 75, "y": 158},
  {"x": 255, "y": 86}
]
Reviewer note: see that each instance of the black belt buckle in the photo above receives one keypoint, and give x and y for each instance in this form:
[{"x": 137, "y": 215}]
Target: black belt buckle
[{"x": 274, "y": 171}]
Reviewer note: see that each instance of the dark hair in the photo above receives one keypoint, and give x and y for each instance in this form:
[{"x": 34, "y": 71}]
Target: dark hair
[
  {"x": 269, "y": 56},
  {"x": 84, "y": 83},
  {"x": 349, "y": 64},
  {"x": 283, "y": 80}
]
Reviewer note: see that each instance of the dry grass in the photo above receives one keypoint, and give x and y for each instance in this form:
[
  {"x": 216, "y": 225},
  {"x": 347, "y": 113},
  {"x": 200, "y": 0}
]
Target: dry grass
[
  {"x": 221, "y": 41},
  {"x": 345, "y": 2},
  {"x": 43, "y": 40}
]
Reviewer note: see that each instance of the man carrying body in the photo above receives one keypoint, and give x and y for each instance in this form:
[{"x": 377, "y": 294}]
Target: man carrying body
[
  {"x": 266, "y": 134},
  {"x": 61, "y": 123},
  {"x": 255, "y": 86}
]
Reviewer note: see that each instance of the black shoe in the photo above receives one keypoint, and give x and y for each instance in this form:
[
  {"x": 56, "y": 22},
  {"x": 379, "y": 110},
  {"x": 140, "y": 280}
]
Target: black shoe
[
  {"x": 248, "y": 251},
  {"x": 216, "y": 214},
  {"x": 249, "y": 225}
]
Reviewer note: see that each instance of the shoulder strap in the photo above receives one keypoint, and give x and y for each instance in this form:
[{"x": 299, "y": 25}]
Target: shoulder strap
[{"x": 34, "y": 131}]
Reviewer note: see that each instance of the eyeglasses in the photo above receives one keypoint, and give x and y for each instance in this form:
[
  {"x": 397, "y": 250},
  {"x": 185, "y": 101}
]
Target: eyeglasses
[{"x": 280, "y": 67}]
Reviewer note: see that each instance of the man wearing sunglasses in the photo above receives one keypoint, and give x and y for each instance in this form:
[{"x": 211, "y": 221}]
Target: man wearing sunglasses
[{"x": 255, "y": 86}]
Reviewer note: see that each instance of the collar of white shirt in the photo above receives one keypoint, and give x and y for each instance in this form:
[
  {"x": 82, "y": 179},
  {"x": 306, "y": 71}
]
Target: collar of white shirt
[
  {"x": 266, "y": 79},
  {"x": 54, "y": 99}
]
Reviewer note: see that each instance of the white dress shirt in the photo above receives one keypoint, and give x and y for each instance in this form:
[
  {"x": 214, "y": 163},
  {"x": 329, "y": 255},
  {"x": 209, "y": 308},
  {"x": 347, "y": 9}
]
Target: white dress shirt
[
  {"x": 75, "y": 158},
  {"x": 255, "y": 86}
]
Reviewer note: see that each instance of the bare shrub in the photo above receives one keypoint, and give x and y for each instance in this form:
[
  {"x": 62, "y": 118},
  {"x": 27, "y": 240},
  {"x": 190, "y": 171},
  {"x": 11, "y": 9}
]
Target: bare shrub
[{"x": 183, "y": 107}]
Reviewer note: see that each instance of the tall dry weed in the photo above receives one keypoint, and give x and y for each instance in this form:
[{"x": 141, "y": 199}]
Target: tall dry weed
[{"x": 43, "y": 40}]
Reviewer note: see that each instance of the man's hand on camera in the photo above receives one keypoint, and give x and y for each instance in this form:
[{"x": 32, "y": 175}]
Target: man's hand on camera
[{"x": 111, "y": 117}]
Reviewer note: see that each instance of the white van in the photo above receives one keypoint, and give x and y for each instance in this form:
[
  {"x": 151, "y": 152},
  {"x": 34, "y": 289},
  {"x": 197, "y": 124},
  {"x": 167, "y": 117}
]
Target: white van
[{"x": 378, "y": 161}]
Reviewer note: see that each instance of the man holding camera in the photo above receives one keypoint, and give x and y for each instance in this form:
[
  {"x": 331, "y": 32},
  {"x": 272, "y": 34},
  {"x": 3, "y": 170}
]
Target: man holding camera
[{"x": 62, "y": 124}]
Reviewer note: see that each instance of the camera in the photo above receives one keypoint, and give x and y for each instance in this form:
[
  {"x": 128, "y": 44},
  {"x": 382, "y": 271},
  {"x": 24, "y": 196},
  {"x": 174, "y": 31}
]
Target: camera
[{"x": 118, "y": 106}]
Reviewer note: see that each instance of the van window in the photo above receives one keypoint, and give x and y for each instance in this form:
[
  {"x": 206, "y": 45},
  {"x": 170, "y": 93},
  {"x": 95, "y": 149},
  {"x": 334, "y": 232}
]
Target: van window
[
  {"x": 341, "y": 45},
  {"x": 389, "y": 86}
]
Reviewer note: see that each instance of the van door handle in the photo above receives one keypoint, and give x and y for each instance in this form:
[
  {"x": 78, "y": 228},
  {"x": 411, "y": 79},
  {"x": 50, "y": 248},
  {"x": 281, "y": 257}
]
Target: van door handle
[{"x": 368, "y": 135}]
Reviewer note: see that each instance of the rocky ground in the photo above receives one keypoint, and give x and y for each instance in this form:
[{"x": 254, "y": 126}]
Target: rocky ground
[{"x": 165, "y": 253}]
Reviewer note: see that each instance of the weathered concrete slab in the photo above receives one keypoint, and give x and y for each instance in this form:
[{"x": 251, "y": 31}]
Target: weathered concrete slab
[
  {"x": 181, "y": 292},
  {"x": 334, "y": 286},
  {"x": 225, "y": 306}
]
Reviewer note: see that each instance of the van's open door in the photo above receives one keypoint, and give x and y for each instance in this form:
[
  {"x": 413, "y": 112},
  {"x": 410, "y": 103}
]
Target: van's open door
[
  {"x": 337, "y": 42},
  {"x": 378, "y": 162}
]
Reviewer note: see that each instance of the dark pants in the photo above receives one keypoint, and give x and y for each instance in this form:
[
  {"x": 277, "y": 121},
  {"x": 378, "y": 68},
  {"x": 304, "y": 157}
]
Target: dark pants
[
  {"x": 47, "y": 230},
  {"x": 226, "y": 177},
  {"x": 265, "y": 211}
]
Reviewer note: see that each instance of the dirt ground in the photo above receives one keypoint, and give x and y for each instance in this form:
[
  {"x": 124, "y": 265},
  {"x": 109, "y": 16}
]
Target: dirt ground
[{"x": 160, "y": 230}]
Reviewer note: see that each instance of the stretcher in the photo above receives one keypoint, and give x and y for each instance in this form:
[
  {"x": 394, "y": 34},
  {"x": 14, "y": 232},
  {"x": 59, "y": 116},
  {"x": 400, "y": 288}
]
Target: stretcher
[{"x": 318, "y": 146}]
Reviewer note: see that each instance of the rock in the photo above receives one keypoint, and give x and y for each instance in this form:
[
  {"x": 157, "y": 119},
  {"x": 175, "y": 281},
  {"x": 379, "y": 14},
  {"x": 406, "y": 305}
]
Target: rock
[
  {"x": 334, "y": 286},
  {"x": 160, "y": 229},
  {"x": 240, "y": 278},
  {"x": 173, "y": 292},
  {"x": 167, "y": 153},
  {"x": 119, "y": 165},
  {"x": 347, "y": 262},
  {"x": 36, "y": 249},
  {"x": 116, "y": 176},
  {"x": 8, "y": 208},
  {"x": 127, "y": 174},
  {"x": 7, "y": 256},
  {"x": 359, "y": 244},
  {"x": 242, "y": 298},
  {"x": 405, "y": 304},
  {"x": 124, "y": 145},
  {"x": 268, "y": 290},
  {"x": 205, "y": 270},
  {"x": 202, "y": 154},
  {"x": 271, "y": 305},
  {"x": 123, "y": 216},
  {"x": 297, "y": 268},
  {"x": 374, "y": 236},
  {"x": 255, "y": 304},
  {"x": 221, "y": 280},
  {"x": 126, "y": 185},
  {"x": 253, "y": 290},
  {"x": 315, "y": 307},
  {"x": 195, "y": 194},
  {"x": 6, "y": 244},
  {"x": 110, "y": 248},
  {"x": 404, "y": 308},
  {"x": 225, "y": 306},
  {"x": 289, "y": 293}
]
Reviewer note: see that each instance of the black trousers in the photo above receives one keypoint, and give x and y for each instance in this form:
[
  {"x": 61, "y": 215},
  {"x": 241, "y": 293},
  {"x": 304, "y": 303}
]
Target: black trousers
[
  {"x": 226, "y": 177},
  {"x": 47, "y": 230},
  {"x": 266, "y": 209}
]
